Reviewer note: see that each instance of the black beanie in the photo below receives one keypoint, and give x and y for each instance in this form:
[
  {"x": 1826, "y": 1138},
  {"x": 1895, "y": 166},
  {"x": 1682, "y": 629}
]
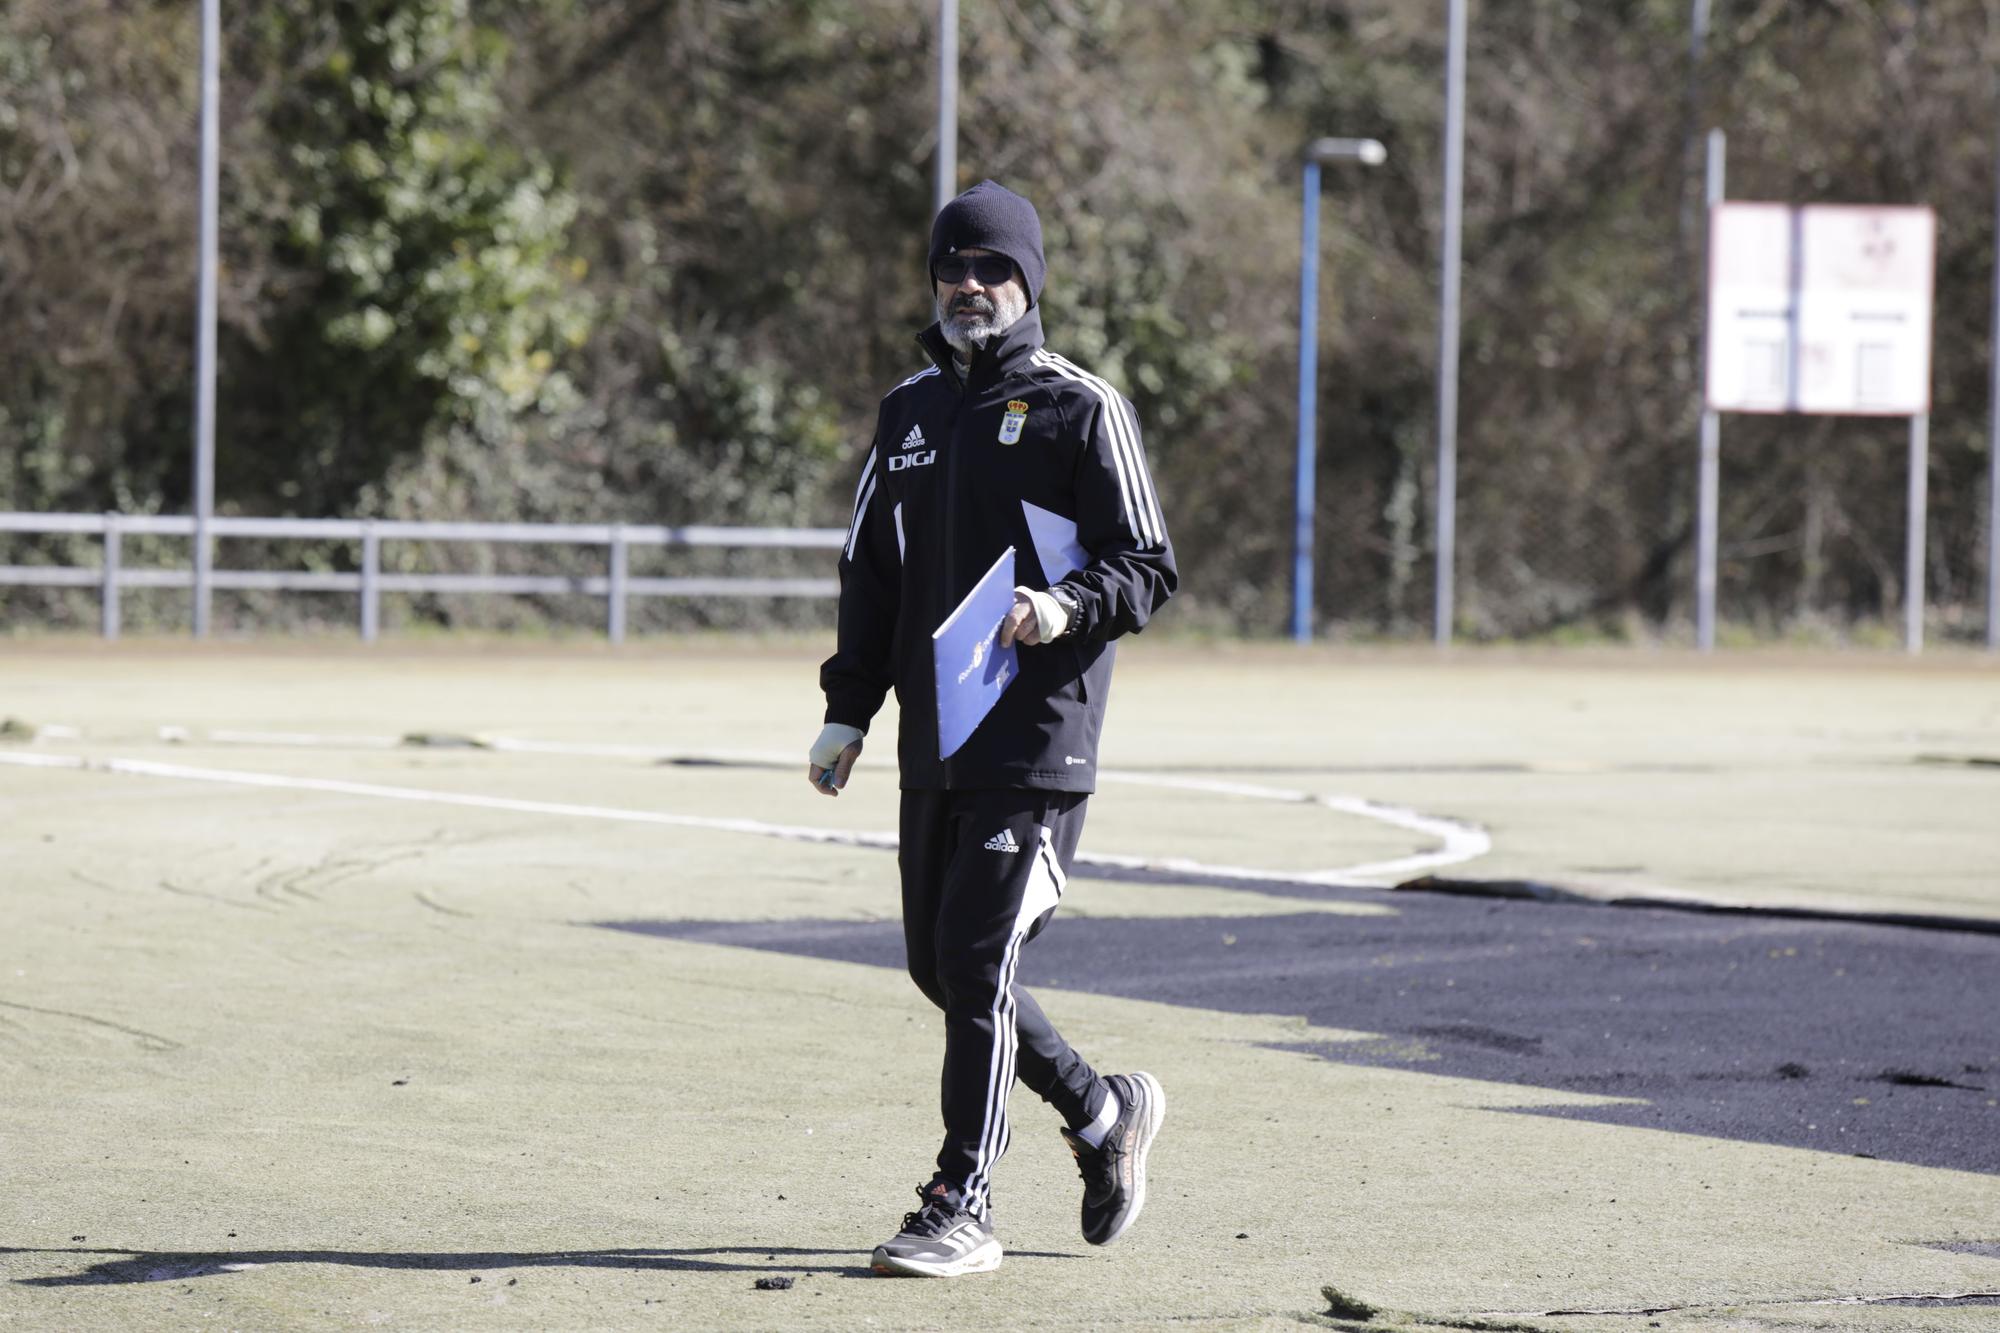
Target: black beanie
[{"x": 992, "y": 217}]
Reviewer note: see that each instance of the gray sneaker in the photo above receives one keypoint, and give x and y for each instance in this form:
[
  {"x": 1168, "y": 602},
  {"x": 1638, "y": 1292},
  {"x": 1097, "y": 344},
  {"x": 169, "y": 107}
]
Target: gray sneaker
[
  {"x": 1114, "y": 1175},
  {"x": 940, "y": 1239}
]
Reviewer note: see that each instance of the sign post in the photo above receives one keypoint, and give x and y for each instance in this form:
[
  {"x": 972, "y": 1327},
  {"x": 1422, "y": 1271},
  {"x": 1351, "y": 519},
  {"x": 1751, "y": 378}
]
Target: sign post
[
  {"x": 1913, "y": 544},
  {"x": 1710, "y": 485},
  {"x": 1824, "y": 308}
]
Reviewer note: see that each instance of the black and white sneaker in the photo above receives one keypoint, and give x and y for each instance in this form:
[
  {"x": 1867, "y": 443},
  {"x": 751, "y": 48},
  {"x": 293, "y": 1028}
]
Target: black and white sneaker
[
  {"x": 1114, "y": 1175},
  {"x": 940, "y": 1239}
]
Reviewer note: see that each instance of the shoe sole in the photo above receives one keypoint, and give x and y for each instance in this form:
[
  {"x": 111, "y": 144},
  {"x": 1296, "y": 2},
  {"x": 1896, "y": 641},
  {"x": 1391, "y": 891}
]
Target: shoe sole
[
  {"x": 1156, "y": 1114},
  {"x": 983, "y": 1259}
]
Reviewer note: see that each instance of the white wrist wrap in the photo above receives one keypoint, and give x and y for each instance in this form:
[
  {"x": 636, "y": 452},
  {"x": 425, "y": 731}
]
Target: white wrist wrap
[
  {"x": 836, "y": 737},
  {"x": 1050, "y": 618}
]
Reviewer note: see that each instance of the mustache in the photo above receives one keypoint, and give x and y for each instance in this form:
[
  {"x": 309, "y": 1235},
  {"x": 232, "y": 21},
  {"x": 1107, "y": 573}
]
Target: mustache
[{"x": 978, "y": 305}]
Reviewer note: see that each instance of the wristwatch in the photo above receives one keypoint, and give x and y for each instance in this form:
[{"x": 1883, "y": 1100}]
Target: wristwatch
[{"x": 1072, "y": 609}]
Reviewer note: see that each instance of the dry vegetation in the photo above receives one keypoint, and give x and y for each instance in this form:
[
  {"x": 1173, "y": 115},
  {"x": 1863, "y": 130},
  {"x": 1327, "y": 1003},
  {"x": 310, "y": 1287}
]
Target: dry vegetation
[{"x": 654, "y": 260}]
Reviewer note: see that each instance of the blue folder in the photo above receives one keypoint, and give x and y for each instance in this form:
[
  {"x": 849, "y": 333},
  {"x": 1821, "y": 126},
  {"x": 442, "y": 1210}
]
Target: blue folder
[{"x": 973, "y": 670}]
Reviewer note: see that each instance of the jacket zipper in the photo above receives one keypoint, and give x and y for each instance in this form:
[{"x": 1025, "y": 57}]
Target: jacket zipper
[{"x": 942, "y": 359}]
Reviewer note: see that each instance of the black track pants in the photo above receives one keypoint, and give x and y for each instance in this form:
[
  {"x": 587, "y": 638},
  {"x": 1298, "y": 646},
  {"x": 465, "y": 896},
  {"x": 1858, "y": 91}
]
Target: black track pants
[{"x": 982, "y": 871}]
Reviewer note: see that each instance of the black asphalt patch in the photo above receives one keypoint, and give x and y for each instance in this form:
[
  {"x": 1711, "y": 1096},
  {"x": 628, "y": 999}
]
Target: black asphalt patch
[
  {"x": 1987, "y": 1248},
  {"x": 1857, "y": 1039}
]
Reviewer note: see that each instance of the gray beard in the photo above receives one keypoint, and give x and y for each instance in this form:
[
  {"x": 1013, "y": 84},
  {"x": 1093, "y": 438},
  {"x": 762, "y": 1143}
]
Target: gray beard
[
  {"x": 963, "y": 340},
  {"x": 968, "y": 331}
]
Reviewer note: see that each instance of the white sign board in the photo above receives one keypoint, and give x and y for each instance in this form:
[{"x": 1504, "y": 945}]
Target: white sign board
[{"x": 1822, "y": 308}]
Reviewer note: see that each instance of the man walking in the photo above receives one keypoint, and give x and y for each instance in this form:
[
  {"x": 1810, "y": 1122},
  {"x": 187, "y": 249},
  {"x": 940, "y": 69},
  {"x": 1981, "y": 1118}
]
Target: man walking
[{"x": 998, "y": 442}]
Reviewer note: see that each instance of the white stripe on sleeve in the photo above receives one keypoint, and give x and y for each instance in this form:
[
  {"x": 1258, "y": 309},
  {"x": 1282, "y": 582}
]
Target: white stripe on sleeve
[
  {"x": 861, "y": 509},
  {"x": 1142, "y": 507},
  {"x": 1128, "y": 434}
]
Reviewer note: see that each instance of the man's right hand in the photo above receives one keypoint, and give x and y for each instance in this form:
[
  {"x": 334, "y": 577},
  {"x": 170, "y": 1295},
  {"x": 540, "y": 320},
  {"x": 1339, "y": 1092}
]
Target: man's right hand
[{"x": 832, "y": 758}]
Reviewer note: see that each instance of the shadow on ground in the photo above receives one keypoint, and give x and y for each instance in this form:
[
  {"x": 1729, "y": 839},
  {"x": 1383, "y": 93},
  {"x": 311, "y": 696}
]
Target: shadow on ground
[
  {"x": 1866, "y": 1040},
  {"x": 180, "y": 1265}
]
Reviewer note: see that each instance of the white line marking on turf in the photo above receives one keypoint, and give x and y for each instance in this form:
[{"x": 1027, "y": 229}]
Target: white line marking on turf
[
  {"x": 1460, "y": 841},
  {"x": 307, "y": 738},
  {"x": 337, "y": 787}
]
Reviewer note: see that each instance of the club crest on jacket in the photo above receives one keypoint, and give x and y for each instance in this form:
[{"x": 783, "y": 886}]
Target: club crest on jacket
[{"x": 1010, "y": 425}]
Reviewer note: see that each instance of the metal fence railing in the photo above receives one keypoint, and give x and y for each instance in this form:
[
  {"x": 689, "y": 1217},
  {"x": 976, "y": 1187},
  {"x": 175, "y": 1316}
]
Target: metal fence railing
[{"x": 368, "y": 581}]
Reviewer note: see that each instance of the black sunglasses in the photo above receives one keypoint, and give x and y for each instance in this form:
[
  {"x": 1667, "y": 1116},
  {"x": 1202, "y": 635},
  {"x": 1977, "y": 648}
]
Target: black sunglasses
[{"x": 991, "y": 270}]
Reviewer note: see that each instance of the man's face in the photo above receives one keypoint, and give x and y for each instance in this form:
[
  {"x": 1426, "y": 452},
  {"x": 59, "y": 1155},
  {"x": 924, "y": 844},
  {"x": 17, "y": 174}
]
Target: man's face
[{"x": 971, "y": 311}]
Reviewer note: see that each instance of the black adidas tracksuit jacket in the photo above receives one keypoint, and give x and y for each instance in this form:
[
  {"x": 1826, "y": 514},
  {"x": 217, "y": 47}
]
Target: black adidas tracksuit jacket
[{"x": 1030, "y": 452}]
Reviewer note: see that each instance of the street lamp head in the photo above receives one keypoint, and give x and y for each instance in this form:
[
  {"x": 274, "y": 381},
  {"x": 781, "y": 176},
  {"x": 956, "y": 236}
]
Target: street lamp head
[{"x": 1368, "y": 152}]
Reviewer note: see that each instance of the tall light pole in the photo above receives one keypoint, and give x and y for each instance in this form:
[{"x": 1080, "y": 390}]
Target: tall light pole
[
  {"x": 204, "y": 385},
  {"x": 1993, "y": 439},
  {"x": 1447, "y": 383},
  {"x": 946, "y": 183},
  {"x": 1697, "y": 48},
  {"x": 1370, "y": 153}
]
